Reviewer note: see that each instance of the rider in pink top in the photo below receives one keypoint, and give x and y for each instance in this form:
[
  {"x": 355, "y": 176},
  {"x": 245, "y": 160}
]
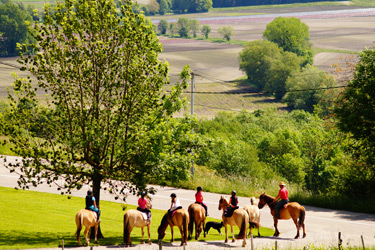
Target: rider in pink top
[
  {"x": 142, "y": 202},
  {"x": 283, "y": 195},
  {"x": 199, "y": 198}
]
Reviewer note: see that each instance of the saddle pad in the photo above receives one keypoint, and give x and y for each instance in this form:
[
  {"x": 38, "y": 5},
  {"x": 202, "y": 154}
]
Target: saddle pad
[{"x": 144, "y": 215}]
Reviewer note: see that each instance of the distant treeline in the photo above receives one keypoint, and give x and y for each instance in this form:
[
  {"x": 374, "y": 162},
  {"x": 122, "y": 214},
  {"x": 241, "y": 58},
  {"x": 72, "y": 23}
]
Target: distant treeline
[{"x": 233, "y": 3}]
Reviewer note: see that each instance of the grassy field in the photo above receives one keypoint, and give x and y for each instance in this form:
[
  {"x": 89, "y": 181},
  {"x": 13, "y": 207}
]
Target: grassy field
[{"x": 38, "y": 220}]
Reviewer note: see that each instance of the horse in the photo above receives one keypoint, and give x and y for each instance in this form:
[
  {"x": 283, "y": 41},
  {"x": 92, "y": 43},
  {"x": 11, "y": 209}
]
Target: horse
[
  {"x": 134, "y": 218},
  {"x": 254, "y": 215},
  {"x": 239, "y": 218},
  {"x": 292, "y": 210},
  {"x": 197, "y": 216},
  {"x": 179, "y": 219},
  {"x": 86, "y": 218}
]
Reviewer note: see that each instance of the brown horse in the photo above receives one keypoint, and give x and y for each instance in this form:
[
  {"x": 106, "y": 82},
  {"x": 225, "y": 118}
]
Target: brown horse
[
  {"x": 197, "y": 216},
  {"x": 134, "y": 218},
  {"x": 239, "y": 218},
  {"x": 88, "y": 219},
  {"x": 179, "y": 219},
  {"x": 293, "y": 210}
]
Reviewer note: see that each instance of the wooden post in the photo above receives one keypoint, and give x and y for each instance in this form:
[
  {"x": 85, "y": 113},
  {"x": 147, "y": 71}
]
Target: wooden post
[
  {"x": 340, "y": 241},
  {"x": 252, "y": 243},
  {"x": 363, "y": 243},
  {"x": 62, "y": 243},
  {"x": 160, "y": 245},
  {"x": 275, "y": 245}
]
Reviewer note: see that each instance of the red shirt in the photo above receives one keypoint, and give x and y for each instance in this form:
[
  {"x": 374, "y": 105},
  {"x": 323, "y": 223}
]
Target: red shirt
[
  {"x": 283, "y": 193},
  {"x": 199, "y": 197},
  {"x": 142, "y": 203}
]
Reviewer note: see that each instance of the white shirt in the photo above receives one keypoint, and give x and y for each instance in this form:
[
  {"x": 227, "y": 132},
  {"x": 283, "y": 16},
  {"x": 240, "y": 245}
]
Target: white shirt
[{"x": 176, "y": 204}]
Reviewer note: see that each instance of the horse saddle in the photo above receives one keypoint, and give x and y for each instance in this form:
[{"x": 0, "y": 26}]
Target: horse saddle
[
  {"x": 144, "y": 215},
  {"x": 229, "y": 211}
]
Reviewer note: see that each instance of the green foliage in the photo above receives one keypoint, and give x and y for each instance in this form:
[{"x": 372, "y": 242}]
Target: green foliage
[
  {"x": 107, "y": 117},
  {"x": 182, "y": 6},
  {"x": 163, "y": 26},
  {"x": 14, "y": 20},
  {"x": 183, "y": 26},
  {"x": 319, "y": 84},
  {"x": 206, "y": 29},
  {"x": 163, "y": 7},
  {"x": 227, "y": 32},
  {"x": 194, "y": 24},
  {"x": 292, "y": 35}
]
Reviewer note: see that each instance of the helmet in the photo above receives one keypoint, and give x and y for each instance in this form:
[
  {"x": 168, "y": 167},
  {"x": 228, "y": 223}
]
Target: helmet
[
  {"x": 173, "y": 195},
  {"x": 89, "y": 192},
  {"x": 143, "y": 193},
  {"x": 199, "y": 188},
  {"x": 282, "y": 183},
  {"x": 234, "y": 192}
]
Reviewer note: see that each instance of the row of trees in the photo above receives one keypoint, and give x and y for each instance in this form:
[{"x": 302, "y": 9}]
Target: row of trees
[
  {"x": 281, "y": 64},
  {"x": 175, "y": 6},
  {"x": 233, "y": 3}
]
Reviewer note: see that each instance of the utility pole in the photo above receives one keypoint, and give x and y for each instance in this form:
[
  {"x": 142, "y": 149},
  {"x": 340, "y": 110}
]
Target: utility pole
[{"x": 192, "y": 113}]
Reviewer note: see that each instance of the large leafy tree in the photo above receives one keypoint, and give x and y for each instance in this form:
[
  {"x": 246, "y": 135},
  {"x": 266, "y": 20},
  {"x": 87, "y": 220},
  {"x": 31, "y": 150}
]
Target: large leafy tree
[
  {"x": 292, "y": 35},
  {"x": 13, "y": 26},
  {"x": 107, "y": 119}
]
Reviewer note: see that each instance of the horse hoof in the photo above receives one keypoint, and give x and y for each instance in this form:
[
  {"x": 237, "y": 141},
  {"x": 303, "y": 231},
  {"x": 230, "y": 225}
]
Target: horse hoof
[
  {"x": 150, "y": 242},
  {"x": 226, "y": 241},
  {"x": 297, "y": 236},
  {"x": 304, "y": 235},
  {"x": 233, "y": 240},
  {"x": 142, "y": 242}
]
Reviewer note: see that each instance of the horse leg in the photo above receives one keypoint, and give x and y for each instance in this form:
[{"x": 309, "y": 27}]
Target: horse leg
[
  {"x": 277, "y": 233},
  {"x": 96, "y": 232},
  {"x": 148, "y": 231},
  {"x": 304, "y": 232},
  {"x": 258, "y": 229},
  {"x": 296, "y": 223},
  {"x": 182, "y": 235},
  {"x": 143, "y": 233},
  {"x": 87, "y": 238},
  {"x": 226, "y": 233},
  {"x": 204, "y": 227},
  {"x": 172, "y": 233},
  {"x": 231, "y": 229}
]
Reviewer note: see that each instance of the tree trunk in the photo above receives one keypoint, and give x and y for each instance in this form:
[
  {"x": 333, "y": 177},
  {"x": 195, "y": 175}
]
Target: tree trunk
[{"x": 97, "y": 179}]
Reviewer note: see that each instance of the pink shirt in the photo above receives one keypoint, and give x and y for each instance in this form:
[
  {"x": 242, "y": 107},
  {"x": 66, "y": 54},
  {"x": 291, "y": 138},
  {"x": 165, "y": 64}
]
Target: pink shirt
[
  {"x": 199, "y": 197},
  {"x": 142, "y": 203},
  {"x": 283, "y": 193}
]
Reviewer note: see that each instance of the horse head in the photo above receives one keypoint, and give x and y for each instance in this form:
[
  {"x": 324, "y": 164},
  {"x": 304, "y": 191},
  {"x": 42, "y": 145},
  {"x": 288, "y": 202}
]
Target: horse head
[
  {"x": 148, "y": 205},
  {"x": 223, "y": 203},
  {"x": 163, "y": 226},
  {"x": 262, "y": 201}
]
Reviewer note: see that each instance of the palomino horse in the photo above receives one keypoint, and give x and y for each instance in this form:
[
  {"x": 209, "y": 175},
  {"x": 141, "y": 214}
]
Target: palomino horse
[
  {"x": 292, "y": 210},
  {"x": 88, "y": 219},
  {"x": 179, "y": 219},
  {"x": 239, "y": 218},
  {"x": 134, "y": 218},
  {"x": 197, "y": 216},
  {"x": 254, "y": 215}
]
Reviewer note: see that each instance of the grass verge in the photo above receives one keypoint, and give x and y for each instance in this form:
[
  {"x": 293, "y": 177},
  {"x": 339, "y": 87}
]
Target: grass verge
[{"x": 32, "y": 219}]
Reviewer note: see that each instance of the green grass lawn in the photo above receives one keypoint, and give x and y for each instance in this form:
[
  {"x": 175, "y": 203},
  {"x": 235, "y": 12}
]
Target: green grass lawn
[{"x": 38, "y": 220}]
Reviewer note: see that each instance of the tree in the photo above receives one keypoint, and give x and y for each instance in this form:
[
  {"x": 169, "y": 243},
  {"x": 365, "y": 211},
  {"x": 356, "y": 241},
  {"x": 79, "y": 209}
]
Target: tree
[
  {"x": 183, "y": 26},
  {"x": 308, "y": 88},
  {"x": 172, "y": 28},
  {"x": 107, "y": 119},
  {"x": 163, "y": 26},
  {"x": 194, "y": 24},
  {"x": 292, "y": 35},
  {"x": 180, "y": 6},
  {"x": 255, "y": 60},
  {"x": 152, "y": 7},
  {"x": 13, "y": 26},
  {"x": 164, "y": 7},
  {"x": 227, "y": 32},
  {"x": 206, "y": 30},
  {"x": 355, "y": 107},
  {"x": 199, "y": 6}
]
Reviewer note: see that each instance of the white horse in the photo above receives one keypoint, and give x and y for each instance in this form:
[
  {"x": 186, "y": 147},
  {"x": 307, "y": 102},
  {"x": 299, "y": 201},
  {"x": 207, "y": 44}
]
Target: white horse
[{"x": 254, "y": 215}]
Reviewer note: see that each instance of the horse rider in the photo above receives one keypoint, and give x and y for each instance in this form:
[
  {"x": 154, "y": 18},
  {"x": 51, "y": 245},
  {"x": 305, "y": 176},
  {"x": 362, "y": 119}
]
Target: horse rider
[
  {"x": 175, "y": 204},
  {"x": 142, "y": 202},
  {"x": 199, "y": 199},
  {"x": 91, "y": 204},
  {"x": 283, "y": 196},
  {"x": 233, "y": 204}
]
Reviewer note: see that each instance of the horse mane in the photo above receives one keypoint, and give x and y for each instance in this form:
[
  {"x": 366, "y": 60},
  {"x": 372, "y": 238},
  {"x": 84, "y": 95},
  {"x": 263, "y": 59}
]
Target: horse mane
[{"x": 164, "y": 222}]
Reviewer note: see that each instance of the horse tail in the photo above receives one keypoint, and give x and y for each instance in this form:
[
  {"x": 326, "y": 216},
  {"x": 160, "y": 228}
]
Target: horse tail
[
  {"x": 79, "y": 223},
  {"x": 126, "y": 229},
  {"x": 185, "y": 222},
  {"x": 191, "y": 221},
  {"x": 301, "y": 220},
  {"x": 242, "y": 234}
]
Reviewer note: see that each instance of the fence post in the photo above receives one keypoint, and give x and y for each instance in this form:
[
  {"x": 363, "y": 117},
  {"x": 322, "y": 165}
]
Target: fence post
[
  {"x": 363, "y": 243},
  {"x": 160, "y": 245},
  {"x": 275, "y": 245},
  {"x": 340, "y": 241},
  {"x": 62, "y": 243},
  {"x": 252, "y": 243}
]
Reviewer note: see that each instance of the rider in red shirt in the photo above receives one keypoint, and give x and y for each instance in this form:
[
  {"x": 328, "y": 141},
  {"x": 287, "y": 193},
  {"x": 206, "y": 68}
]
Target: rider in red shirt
[
  {"x": 283, "y": 196},
  {"x": 142, "y": 202},
  {"x": 199, "y": 199}
]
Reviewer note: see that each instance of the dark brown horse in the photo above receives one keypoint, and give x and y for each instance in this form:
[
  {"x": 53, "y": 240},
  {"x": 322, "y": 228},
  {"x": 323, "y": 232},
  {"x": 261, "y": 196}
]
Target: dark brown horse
[
  {"x": 293, "y": 210},
  {"x": 239, "y": 218},
  {"x": 179, "y": 219},
  {"x": 197, "y": 216}
]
